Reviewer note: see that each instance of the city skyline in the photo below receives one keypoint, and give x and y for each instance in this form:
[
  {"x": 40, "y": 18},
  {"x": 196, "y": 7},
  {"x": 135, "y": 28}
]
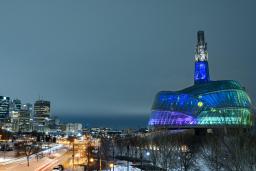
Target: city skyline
[
  {"x": 111, "y": 59},
  {"x": 127, "y": 85}
]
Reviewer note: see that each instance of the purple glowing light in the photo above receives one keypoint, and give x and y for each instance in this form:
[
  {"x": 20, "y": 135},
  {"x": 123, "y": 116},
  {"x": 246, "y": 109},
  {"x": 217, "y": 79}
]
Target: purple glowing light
[{"x": 171, "y": 118}]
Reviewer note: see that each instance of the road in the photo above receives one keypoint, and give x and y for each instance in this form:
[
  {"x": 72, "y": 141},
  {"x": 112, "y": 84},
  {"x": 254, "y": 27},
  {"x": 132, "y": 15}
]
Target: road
[{"x": 62, "y": 156}]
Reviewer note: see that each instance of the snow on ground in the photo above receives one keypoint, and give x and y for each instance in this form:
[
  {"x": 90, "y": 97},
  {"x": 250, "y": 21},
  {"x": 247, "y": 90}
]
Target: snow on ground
[{"x": 124, "y": 168}]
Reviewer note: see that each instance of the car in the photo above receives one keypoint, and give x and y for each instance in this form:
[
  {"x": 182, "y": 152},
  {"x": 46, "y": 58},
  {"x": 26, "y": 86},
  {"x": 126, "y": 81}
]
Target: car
[{"x": 58, "y": 168}]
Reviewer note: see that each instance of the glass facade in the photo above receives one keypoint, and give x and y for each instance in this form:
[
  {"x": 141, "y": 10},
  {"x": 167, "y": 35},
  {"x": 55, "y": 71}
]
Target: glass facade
[
  {"x": 213, "y": 103},
  {"x": 201, "y": 72},
  {"x": 206, "y": 103},
  {"x": 4, "y": 107},
  {"x": 42, "y": 108},
  {"x": 42, "y": 115}
]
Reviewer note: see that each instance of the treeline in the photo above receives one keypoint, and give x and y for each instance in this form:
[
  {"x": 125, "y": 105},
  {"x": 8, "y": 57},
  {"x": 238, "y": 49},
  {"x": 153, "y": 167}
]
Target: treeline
[{"x": 232, "y": 150}]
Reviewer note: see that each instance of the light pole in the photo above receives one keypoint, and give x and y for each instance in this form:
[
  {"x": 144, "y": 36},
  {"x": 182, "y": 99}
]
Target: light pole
[
  {"x": 113, "y": 157},
  {"x": 73, "y": 155},
  {"x": 99, "y": 159},
  {"x": 128, "y": 150},
  {"x": 111, "y": 165},
  {"x": 141, "y": 157},
  {"x": 4, "y": 148}
]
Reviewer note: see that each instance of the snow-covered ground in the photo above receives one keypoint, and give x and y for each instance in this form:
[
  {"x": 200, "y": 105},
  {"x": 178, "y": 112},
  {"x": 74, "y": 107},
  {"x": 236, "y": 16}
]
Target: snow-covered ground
[
  {"x": 8, "y": 160},
  {"x": 124, "y": 168}
]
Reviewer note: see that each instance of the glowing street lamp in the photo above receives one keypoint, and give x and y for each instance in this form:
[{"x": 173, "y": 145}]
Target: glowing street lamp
[
  {"x": 111, "y": 165},
  {"x": 184, "y": 148},
  {"x": 91, "y": 159}
]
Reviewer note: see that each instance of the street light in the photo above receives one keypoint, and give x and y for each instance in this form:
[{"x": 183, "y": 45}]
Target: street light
[
  {"x": 91, "y": 159},
  {"x": 113, "y": 154},
  {"x": 141, "y": 157},
  {"x": 184, "y": 148},
  {"x": 111, "y": 165}
]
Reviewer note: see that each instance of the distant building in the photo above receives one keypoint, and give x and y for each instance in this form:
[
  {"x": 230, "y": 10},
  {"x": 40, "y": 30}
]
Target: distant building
[
  {"x": 42, "y": 108},
  {"x": 15, "y": 105},
  {"x": 7, "y": 124},
  {"x": 41, "y": 115},
  {"x": 99, "y": 132},
  {"x": 14, "y": 114},
  {"x": 73, "y": 128},
  {"x": 25, "y": 119},
  {"x": 4, "y": 108},
  {"x": 55, "y": 126},
  {"x": 26, "y": 110}
]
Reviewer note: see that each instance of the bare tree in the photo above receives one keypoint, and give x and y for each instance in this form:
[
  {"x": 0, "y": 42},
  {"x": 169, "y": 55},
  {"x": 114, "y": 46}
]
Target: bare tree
[
  {"x": 186, "y": 152},
  {"x": 167, "y": 146},
  {"x": 152, "y": 147},
  {"x": 239, "y": 151},
  {"x": 211, "y": 152},
  {"x": 120, "y": 146},
  {"x": 233, "y": 149},
  {"x": 37, "y": 150},
  {"x": 163, "y": 150},
  {"x": 28, "y": 151},
  {"x": 105, "y": 148}
]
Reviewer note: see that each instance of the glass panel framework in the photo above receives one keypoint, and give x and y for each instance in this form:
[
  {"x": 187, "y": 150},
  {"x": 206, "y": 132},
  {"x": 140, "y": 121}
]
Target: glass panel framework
[{"x": 216, "y": 103}]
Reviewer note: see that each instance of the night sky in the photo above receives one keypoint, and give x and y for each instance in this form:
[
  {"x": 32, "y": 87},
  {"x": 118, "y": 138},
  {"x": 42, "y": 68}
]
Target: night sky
[{"x": 108, "y": 59}]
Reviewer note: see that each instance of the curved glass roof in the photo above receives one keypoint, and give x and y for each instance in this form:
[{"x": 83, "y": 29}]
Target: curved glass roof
[{"x": 213, "y": 103}]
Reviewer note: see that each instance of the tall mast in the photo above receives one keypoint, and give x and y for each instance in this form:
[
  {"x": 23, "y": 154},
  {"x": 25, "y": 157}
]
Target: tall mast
[{"x": 201, "y": 74}]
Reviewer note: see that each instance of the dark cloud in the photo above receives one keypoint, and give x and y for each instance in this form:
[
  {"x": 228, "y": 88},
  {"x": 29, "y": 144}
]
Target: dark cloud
[{"x": 111, "y": 57}]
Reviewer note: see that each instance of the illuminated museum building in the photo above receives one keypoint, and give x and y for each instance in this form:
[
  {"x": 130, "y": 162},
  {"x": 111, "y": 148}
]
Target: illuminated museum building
[{"x": 205, "y": 104}]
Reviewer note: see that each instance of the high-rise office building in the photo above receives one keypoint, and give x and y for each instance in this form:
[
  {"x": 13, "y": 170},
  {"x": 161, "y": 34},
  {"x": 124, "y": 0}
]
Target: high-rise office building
[
  {"x": 4, "y": 108},
  {"x": 25, "y": 119},
  {"x": 26, "y": 110},
  {"x": 41, "y": 115},
  {"x": 14, "y": 108},
  {"x": 14, "y": 114},
  {"x": 42, "y": 108},
  {"x": 15, "y": 105}
]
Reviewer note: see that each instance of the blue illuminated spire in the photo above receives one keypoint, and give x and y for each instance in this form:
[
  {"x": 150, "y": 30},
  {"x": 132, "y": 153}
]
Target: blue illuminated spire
[{"x": 201, "y": 74}]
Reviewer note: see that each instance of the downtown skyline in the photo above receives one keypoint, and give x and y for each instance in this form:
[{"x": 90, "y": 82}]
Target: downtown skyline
[{"x": 110, "y": 59}]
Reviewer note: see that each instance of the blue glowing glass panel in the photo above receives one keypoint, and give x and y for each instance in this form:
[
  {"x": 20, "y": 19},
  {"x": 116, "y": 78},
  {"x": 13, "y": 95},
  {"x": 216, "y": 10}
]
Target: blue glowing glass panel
[
  {"x": 201, "y": 72},
  {"x": 214, "y": 103}
]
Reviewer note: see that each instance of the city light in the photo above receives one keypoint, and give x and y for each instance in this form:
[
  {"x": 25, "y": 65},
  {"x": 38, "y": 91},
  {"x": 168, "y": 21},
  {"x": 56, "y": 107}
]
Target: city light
[
  {"x": 200, "y": 104},
  {"x": 111, "y": 165}
]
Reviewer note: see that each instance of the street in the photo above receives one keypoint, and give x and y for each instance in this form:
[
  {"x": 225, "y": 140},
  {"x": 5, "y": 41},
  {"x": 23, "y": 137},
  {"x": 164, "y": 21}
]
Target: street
[{"x": 46, "y": 163}]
